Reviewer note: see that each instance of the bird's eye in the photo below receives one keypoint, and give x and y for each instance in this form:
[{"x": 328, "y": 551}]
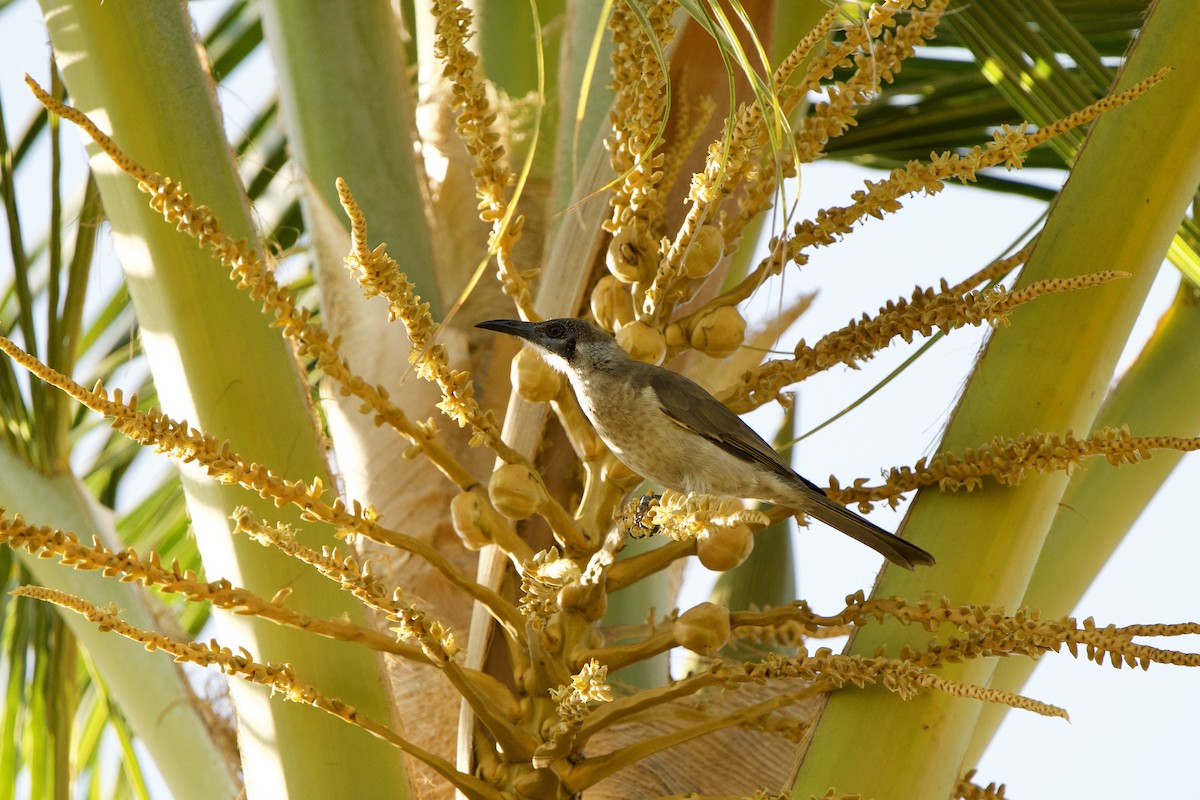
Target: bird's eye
[{"x": 556, "y": 330}]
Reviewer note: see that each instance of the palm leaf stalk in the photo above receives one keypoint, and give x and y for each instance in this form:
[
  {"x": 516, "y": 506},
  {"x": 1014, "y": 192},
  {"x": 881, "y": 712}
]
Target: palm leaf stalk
[
  {"x": 1076, "y": 348},
  {"x": 154, "y": 74}
]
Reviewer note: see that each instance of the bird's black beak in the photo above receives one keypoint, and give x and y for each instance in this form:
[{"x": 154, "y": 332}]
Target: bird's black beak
[{"x": 513, "y": 327}]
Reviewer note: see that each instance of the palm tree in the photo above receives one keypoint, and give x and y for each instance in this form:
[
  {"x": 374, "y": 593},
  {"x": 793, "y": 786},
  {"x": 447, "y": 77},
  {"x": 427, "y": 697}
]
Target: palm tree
[{"x": 574, "y": 188}]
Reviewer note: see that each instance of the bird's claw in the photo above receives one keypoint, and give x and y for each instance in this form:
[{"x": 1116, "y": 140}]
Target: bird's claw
[{"x": 639, "y": 529}]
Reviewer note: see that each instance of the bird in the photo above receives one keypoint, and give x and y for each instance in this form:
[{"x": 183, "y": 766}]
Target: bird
[{"x": 671, "y": 431}]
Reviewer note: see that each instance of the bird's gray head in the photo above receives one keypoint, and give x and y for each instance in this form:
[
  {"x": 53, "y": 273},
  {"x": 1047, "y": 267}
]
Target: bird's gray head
[{"x": 568, "y": 344}]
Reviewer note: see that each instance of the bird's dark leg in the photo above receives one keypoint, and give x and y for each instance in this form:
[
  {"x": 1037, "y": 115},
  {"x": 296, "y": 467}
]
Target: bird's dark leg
[{"x": 639, "y": 516}]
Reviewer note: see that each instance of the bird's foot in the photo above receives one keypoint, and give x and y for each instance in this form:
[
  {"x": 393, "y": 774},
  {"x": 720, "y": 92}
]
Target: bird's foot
[{"x": 638, "y": 528}]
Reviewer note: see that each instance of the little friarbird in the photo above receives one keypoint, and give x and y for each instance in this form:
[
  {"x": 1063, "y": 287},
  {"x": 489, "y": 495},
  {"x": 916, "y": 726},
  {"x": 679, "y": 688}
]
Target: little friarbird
[{"x": 671, "y": 431}]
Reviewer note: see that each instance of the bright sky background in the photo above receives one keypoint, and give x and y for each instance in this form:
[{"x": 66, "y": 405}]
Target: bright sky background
[
  {"x": 1146, "y": 722},
  {"x": 1132, "y": 733}
]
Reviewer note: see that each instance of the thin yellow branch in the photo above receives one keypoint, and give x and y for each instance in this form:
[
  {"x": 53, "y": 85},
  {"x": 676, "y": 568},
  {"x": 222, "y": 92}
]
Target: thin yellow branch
[
  {"x": 984, "y": 632},
  {"x": 1007, "y": 148},
  {"x": 987, "y": 630},
  {"x": 434, "y": 638},
  {"x": 1008, "y": 461},
  {"x": 493, "y": 703},
  {"x": 126, "y": 565},
  {"x": 619, "y": 656},
  {"x": 279, "y": 678},
  {"x": 629, "y": 571},
  {"x": 379, "y": 275},
  {"x": 926, "y": 311},
  {"x": 993, "y": 271},
  {"x": 877, "y": 54},
  {"x": 475, "y": 124},
  {"x": 640, "y": 87},
  {"x": 184, "y": 443},
  {"x": 246, "y": 267}
]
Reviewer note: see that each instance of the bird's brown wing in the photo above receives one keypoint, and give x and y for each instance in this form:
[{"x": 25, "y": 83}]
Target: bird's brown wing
[{"x": 689, "y": 405}]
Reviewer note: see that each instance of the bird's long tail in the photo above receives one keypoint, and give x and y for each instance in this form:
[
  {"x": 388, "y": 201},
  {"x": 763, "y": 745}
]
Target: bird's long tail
[{"x": 890, "y": 546}]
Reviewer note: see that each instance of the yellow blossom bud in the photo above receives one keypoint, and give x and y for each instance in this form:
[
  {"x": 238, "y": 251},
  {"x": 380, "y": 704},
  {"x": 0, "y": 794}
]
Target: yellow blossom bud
[
  {"x": 719, "y": 332},
  {"x": 612, "y": 304},
  {"x": 590, "y": 600},
  {"x": 541, "y": 782},
  {"x": 703, "y": 629},
  {"x": 675, "y": 335},
  {"x": 466, "y": 510},
  {"x": 725, "y": 548},
  {"x": 535, "y": 380},
  {"x": 630, "y": 257},
  {"x": 643, "y": 342},
  {"x": 514, "y": 491},
  {"x": 704, "y": 252}
]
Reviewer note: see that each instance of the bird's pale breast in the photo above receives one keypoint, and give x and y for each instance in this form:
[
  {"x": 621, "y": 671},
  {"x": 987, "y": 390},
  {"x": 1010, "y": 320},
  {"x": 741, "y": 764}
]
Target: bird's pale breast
[{"x": 631, "y": 422}]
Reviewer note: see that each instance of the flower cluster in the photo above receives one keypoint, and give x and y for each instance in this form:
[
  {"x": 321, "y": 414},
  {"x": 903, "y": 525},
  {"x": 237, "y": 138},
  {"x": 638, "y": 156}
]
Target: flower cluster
[
  {"x": 476, "y": 126},
  {"x": 1008, "y": 461},
  {"x": 925, "y": 312}
]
